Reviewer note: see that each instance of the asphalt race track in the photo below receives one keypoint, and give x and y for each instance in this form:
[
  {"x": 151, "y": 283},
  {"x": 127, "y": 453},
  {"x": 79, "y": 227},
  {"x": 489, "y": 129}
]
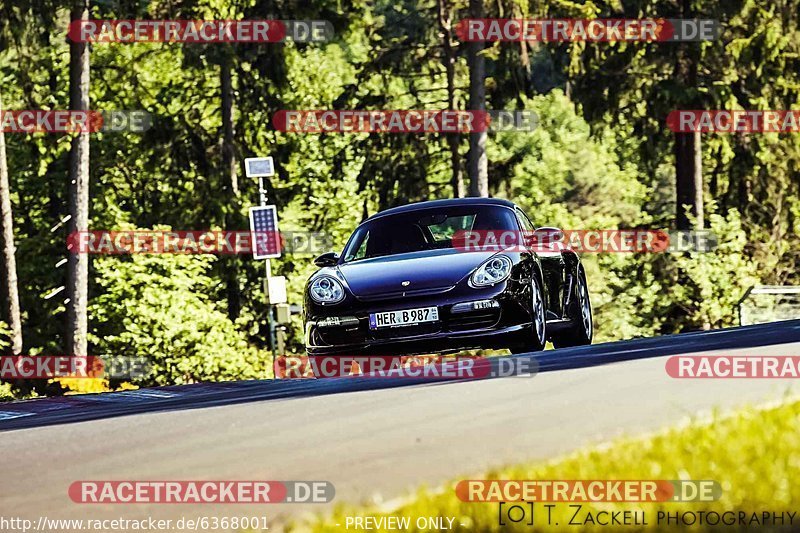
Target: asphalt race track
[{"x": 374, "y": 439}]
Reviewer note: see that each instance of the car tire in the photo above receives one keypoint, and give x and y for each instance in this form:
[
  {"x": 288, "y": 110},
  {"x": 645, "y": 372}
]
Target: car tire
[
  {"x": 536, "y": 338},
  {"x": 582, "y": 331}
]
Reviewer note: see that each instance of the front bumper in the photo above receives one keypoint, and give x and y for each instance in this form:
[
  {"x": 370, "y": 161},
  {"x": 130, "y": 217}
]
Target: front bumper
[{"x": 346, "y": 331}]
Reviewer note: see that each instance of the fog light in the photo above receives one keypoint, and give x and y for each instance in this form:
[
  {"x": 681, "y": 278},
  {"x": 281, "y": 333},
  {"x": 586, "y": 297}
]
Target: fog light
[
  {"x": 337, "y": 322},
  {"x": 466, "y": 307}
]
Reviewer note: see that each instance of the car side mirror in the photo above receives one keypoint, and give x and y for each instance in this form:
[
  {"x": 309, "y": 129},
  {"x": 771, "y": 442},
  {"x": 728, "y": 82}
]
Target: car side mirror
[
  {"x": 546, "y": 235},
  {"x": 327, "y": 259}
]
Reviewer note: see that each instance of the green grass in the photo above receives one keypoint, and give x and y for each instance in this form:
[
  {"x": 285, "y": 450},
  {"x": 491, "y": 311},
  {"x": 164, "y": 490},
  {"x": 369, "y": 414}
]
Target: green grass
[{"x": 753, "y": 453}]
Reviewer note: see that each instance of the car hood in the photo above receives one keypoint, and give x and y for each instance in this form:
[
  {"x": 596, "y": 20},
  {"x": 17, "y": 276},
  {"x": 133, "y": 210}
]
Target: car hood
[{"x": 431, "y": 269}]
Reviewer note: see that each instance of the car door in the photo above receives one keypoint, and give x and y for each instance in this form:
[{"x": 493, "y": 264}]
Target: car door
[{"x": 553, "y": 267}]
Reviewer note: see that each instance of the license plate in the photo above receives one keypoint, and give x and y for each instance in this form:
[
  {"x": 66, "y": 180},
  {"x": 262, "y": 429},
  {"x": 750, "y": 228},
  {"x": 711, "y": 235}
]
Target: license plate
[{"x": 406, "y": 317}]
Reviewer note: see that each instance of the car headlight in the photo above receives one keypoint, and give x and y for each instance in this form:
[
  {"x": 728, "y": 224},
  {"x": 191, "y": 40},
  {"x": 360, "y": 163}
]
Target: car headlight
[
  {"x": 495, "y": 270},
  {"x": 326, "y": 290}
]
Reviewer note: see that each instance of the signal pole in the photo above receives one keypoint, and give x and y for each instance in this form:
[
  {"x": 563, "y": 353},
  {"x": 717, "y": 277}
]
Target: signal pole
[{"x": 264, "y": 221}]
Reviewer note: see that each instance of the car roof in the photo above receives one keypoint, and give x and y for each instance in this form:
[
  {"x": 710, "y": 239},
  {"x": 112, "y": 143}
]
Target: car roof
[{"x": 443, "y": 203}]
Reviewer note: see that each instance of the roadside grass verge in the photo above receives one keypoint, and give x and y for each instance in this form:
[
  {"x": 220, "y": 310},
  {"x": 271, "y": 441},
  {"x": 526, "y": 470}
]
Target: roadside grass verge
[{"x": 754, "y": 454}]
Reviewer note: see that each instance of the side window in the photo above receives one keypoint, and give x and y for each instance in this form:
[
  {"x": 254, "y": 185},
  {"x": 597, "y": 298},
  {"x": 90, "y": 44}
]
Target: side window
[
  {"x": 524, "y": 221},
  {"x": 527, "y": 227},
  {"x": 362, "y": 250}
]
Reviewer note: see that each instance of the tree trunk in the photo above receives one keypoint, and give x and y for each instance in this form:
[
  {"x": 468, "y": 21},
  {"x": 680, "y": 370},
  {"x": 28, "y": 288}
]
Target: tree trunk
[
  {"x": 228, "y": 149},
  {"x": 688, "y": 148},
  {"x": 688, "y": 180},
  {"x": 477, "y": 163},
  {"x": 449, "y": 59},
  {"x": 231, "y": 185},
  {"x": 10, "y": 291},
  {"x": 78, "y": 193}
]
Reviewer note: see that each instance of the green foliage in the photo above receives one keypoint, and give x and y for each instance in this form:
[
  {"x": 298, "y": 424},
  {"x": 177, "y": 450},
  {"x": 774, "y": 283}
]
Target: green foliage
[
  {"x": 159, "y": 307},
  {"x": 677, "y": 291},
  {"x": 5, "y": 336},
  {"x": 564, "y": 175},
  {"x": 714, "y": 283},
  {"x": 7, "y": 393}
]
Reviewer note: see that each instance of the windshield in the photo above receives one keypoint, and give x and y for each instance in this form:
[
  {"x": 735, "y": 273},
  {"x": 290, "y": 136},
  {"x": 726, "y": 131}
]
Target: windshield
[{"x": 424, "y": 229}]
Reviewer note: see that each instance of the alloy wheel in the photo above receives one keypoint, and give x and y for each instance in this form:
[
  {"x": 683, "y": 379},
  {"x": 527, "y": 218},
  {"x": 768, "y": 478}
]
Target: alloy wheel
[
  {"x": 586, "y": 309},
  {"x": 538, "y": 313}
]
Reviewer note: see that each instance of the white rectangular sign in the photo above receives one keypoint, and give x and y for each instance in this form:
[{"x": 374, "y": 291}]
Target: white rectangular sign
[{"x": 259, "y": 167}]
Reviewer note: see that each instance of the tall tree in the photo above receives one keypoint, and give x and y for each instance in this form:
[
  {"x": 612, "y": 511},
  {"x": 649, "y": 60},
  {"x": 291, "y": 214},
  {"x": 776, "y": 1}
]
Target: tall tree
[
  {"x": 449, "y": 59},
  {"x": 688, "y": 180},
  {"x": 687, "y": 147},
  {"x": 230, "y": 181},
  {"x": 78, "y": 192},
  {"x": 477, "y": 161},
  {"x": 8, "y": 266}
]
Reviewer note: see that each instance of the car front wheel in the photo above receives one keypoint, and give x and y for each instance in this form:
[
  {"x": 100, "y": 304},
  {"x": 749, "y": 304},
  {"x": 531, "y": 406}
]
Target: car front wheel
[
  {"x": 582, "y": 328},
  {"x": 536, "y": 336}
]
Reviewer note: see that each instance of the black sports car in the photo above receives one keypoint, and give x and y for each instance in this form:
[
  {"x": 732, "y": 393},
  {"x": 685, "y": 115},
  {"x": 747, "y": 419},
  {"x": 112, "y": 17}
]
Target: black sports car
[{"x": 406, "y": 284}]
